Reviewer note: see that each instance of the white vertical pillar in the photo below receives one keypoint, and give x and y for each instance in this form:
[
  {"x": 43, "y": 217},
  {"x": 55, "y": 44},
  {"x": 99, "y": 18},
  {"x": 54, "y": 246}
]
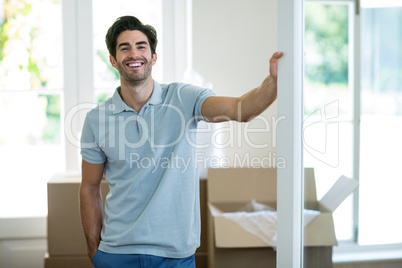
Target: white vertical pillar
[
  {"x": 290, "y": 105},
  {"x": 85, "y": 52},
  {"x": 354, "y": 84},
  {"x": 70, "y": 74},
  {"x": 78, "y": 70},
  {"x": 177, "y": 49},
  {"x": 86, "y": 68}
]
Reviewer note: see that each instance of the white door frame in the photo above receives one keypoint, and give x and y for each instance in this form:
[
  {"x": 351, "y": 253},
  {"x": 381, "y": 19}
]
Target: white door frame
[{"x": 290, "y": 105}]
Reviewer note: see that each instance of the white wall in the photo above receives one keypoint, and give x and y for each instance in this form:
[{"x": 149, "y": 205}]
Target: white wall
[{"x": 233, "y": 41}]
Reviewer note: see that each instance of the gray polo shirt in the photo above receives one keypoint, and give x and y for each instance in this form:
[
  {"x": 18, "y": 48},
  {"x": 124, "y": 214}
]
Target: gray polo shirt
[{"x": 153, "y": 203}]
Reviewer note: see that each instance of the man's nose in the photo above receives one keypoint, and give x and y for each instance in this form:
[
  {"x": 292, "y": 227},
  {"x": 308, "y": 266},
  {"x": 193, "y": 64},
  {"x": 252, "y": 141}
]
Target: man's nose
[{"x": 134, "y": 53}]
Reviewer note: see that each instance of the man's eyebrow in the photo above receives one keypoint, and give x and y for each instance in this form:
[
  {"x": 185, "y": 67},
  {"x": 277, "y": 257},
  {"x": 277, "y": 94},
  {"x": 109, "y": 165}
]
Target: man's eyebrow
[
  {"x": 123, "y": 44},
  {"x": 128, "y": 44},
  {"x": 142, "y": 43}
]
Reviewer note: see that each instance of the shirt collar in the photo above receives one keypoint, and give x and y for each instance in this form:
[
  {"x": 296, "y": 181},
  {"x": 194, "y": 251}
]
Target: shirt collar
[
  {"x": 120, "y": 105},
  {"x": 156, "y": 97}
]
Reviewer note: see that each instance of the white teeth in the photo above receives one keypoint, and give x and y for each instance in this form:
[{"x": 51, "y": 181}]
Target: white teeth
[{"x": 135, "y": 64}]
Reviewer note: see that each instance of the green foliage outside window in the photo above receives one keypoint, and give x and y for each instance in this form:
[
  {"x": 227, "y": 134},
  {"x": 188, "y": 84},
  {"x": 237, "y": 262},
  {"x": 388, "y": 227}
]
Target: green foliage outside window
[
  {"x": 326, "y": 39},
  {"x": 26, "y": 48}
]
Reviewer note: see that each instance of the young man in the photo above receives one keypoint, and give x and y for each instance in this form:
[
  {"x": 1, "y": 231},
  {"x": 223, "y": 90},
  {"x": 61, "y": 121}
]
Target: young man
[{"x": 141, "y": 141}]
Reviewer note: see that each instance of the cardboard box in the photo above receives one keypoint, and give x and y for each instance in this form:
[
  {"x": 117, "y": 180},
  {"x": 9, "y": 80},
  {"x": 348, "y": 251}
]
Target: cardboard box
[
  {"x": 204, "y": 212},
  {"x": 321, "y": 231},
  {"x": 68, "y": 262},
  {"x": 230, "y": 189},
  {"x": 64, "y": 229},
  {"x": 201, "y": 255},
  {"x": 65, "y": 235}
]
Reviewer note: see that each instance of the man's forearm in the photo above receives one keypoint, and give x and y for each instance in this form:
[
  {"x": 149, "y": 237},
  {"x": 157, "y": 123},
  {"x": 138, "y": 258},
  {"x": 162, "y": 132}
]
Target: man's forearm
[
  {"x": 248, "y": 106},
  {"x": 257, "y": 100},
  {"x": 91, "y": 208}
]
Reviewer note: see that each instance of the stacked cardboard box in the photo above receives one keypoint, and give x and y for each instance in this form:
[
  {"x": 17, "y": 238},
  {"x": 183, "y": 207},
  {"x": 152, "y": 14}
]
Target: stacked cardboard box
[
  {"x": 66, "y": 240},
  {"x": 229, "y": 245}
]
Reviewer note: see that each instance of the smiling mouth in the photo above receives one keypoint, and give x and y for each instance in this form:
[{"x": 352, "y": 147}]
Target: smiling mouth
[{"x": 135, "y": 64}]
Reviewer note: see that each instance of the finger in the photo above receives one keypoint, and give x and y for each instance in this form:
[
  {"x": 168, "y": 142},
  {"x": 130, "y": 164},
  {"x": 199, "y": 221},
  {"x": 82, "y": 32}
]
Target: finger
[
  {"x": 273, "y": 60},
  {"x": 277, "y": 55}
]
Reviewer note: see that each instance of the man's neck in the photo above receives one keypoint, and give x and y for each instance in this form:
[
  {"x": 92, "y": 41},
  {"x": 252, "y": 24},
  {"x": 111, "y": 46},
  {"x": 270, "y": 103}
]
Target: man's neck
[{"x": 135, "y": 96}]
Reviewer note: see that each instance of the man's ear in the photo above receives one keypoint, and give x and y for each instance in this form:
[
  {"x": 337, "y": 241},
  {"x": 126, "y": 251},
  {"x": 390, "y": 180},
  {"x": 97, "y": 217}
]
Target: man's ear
[
  {"x": 113, "y": 61},
  {"x": 154, "y": 58}
]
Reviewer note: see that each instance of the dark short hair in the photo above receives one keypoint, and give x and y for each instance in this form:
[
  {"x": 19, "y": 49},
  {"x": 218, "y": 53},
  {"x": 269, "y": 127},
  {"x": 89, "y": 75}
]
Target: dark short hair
[{"x": 129, "y": 23}]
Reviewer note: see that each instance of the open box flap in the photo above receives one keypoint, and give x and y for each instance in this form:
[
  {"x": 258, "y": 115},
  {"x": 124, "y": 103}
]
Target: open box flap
[
  {"x": 338, "y": 192},
  {"x": 215, "y": 211},
  {"x": 310, "y": 193}
]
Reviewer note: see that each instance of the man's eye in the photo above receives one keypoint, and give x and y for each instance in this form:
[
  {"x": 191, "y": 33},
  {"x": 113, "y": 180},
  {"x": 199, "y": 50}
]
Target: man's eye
[{"x": 124, "y": 49}]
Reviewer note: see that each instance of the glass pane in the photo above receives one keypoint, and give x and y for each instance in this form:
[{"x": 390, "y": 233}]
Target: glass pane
[
  {"x": 30, "y": 137},
  {"x": 30, "y": 150},
  {"x": 104, "y": 14},
  {"x": 328, "y": 127},
  {"x": 381, "y": 124},
  {"x": 331, "y": 163},
  {"x": 327, "y": 58},
  {"x": 328, "y": 133},
  {"x": 31, "y": 45}
]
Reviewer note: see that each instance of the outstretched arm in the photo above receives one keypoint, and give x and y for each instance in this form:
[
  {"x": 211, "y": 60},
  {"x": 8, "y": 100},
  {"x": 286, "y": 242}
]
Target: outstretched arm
[
  {"x": 91, "y": 205},
  {"x": 248, "y": 106}
]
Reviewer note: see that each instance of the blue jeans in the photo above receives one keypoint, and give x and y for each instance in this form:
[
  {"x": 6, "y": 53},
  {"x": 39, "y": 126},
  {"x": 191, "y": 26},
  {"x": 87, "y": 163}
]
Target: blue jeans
[{"x": 108, "y": 260}]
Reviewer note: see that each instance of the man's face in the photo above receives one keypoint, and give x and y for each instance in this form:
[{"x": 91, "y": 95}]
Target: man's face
[{"x": 134, "y": 59}]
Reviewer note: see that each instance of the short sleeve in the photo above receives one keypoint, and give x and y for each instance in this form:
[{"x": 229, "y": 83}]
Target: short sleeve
[
  {"x": 201, "y": 97},
  {"x": 90, "y": 150}
]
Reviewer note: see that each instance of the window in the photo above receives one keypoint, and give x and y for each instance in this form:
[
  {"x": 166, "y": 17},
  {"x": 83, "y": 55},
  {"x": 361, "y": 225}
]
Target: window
[
  {"x": 381, "y": 123},
  {"x": 328, "y": 101},
  {"x": 353, "y": 73},
  {"x": 46, "y": 69},
  {"x": 31, "y": 71}
]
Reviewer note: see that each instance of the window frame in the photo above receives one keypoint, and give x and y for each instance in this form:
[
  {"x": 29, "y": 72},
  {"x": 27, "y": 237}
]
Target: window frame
[
  {"x": 354, "y": 88},
  {"x": 78, "y": 69},
  {"x": 14, "y": 227},
  {"x": 351, "y": 251}
]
